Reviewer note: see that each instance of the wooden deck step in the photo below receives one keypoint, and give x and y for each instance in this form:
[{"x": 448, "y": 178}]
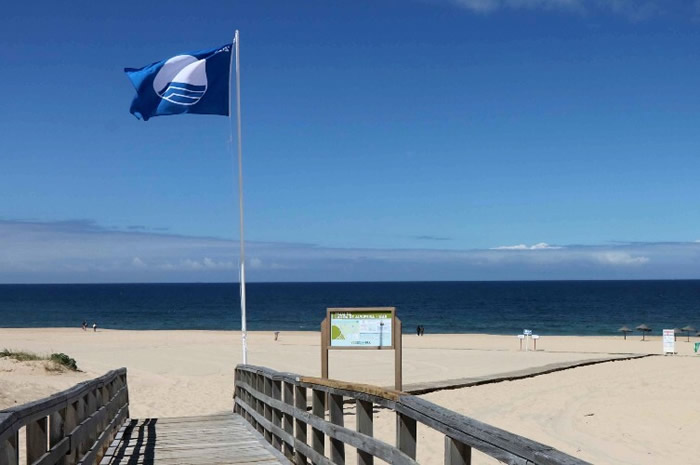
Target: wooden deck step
[{"x": 203, "y": 440}]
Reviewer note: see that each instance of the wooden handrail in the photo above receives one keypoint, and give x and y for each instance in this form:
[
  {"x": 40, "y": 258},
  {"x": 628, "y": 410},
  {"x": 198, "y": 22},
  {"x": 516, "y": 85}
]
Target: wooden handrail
[
  {"x": 284, "y": 422},
  {"x": 71, "y": 427}
]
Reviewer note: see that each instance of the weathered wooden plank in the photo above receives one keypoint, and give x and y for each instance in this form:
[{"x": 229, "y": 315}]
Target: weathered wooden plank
[
  {"x": 397, "y": 335},
  {"x": 57, "y": 431},
  {"x": 93, "y": 454},
  {"x": 315, "y": 457},
  {"x": 475, "y": 442},
  {"x": 82, "y": 432},
  {"x": 301, "y": 428},
  {"x": 259, "y": 383},
  {"x": 55, "y": 454},
  {"x": 166, "y": 442},
  {"x": 70, "y": 424},
  {"x": 332, "y": 386},
  {"x": 499, "y": 444},
  {"x": 371, "y": 445},
  {"x": 37, "y": 434},
  {"x": 276, "y": 413},
  {"x": 267, "y": 383},
  {"x": 318, "y": 409},
  {"x": 287, "y": 419},
  {"x": 8, "y": 424},
  {"x": 364, "y": 425},
  {"x": 457, "y": 453},
  {"x": 352, "y": 438},
  {"x": 9, "y": 450},
  {"x": 270, "y": 373},
  {"x": 31, "y": 411},
  {"x": 336, "y": 417},
  {"x": 477, "y": 434},
  {"x": 406, "y": 436}
]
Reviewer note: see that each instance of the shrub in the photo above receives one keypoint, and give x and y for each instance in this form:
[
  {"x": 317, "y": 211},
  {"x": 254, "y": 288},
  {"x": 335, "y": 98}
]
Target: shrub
[
  {"x": 21, "y": 356},
  {"x": 56, "y": 362},
  {"x": 64, "y": 360}
]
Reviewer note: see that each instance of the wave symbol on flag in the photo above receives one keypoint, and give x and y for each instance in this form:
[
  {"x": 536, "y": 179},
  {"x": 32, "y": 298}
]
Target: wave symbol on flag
[
  {"x": 182, "y": 80},
  {"x": 183, "y": 94}
]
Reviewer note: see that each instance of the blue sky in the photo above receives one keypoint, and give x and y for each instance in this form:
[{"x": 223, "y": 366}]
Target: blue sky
[{"x": 382, "y": 140}]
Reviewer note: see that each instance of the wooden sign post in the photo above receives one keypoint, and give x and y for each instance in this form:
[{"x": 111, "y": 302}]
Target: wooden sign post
[{"x": 370, "y": 328}]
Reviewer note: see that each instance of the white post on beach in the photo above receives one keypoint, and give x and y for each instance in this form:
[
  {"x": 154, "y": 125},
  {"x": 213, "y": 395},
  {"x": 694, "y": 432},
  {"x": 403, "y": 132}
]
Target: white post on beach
[
  {"x": 236, "y": 41},
  {"x": 527, "y": 333}
]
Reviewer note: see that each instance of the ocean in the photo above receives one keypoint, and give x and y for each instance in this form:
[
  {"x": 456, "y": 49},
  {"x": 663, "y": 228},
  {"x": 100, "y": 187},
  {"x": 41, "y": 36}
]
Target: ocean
[{"x": 546, "y": 307}]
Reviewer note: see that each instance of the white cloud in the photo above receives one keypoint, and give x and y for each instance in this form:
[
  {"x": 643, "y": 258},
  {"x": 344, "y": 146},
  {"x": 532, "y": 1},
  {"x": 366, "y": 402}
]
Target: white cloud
[
  {"x": 621, "y": 258},
  {"x": 84, "y": 252},
  {"x": 486, "y": 6},
  {"x": 633, "y": 10},
  {"x": 538, "y": 246},
  {"x": 204, "y": 264}
]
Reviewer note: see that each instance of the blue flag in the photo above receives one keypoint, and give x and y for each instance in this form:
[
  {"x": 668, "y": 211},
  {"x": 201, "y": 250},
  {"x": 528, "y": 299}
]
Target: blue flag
[{"x": 196, "y": 82}]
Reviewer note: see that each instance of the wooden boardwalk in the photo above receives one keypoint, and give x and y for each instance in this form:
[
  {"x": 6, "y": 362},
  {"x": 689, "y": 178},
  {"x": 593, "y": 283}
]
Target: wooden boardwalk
[{"x": 206, "y": 440}]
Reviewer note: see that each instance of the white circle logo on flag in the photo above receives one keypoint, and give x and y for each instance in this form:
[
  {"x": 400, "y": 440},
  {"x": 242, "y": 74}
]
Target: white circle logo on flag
[{"x": 182, "y": 80}]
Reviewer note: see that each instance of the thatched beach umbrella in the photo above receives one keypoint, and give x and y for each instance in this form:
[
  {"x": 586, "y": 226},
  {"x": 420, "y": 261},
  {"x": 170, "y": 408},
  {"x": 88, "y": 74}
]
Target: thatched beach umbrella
[
  {"x": 624, "y": 330},
  {"x": 688, "y": 329},
  {"x": 644, "y": 329}
]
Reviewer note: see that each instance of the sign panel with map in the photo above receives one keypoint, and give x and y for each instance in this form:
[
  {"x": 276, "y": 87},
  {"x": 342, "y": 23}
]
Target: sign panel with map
[{"x": 357, "y": 328}]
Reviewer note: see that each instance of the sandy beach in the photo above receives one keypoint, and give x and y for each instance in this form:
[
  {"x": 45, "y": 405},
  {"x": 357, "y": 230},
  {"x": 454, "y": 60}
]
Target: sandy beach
[{"x": 640, "y": 411}]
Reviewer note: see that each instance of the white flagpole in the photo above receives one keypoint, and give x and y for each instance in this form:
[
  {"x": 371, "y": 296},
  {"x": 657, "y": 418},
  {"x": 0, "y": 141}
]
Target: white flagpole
[{"x": 244, "y": 334}]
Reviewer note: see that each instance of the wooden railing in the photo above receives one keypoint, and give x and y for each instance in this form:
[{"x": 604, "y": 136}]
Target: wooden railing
[
  {"x": 276, "y": 405},
  {"x": 72, "y": 427}
]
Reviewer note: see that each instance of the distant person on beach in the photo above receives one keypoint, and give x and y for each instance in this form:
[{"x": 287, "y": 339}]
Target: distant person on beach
[
  {"x": 418, "y": 330},
  {"x": 84, "y": 325},
  {"x": 277, "y": 334},
  {"x": 94, "y": 327},
  {"x": 422, "y": 330}
]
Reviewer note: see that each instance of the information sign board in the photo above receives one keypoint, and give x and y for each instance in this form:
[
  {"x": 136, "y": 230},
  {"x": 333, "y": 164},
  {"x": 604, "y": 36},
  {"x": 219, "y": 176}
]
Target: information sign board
[
  {"x": 358, "y": 328},
  {"x": 669, "y": 341}
]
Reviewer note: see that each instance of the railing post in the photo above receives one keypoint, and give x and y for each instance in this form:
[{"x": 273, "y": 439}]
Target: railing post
[
  {"x": 36, "y": 439},
  {"x": 365, "y": 425},
  {"x": 277, "y": 414},
  {"x": 287, "y": 423},
  {"x": 301, "y": 428},
  {"x": 318, "y": 408},
  {"x": 336, "y": 417},
  {"x": 236, "y": 390},
  {"x": 110, "y": 413},
  {"x": 57, "y": 430},
  {"x": 267, "y": 408},
  {"x": 91, "y": 408},
  {"x": 406, "y": 434},
  {"x": 260, "y": 387},
  {"x": 457, "y": 453},
  {"x": 9, "y": 450},
  {"x": 72, "y": 420},
  {"x": 126, "y": 394},
  {"x": 250, "y": 381},
  {"x": 82, "y": 415}
]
